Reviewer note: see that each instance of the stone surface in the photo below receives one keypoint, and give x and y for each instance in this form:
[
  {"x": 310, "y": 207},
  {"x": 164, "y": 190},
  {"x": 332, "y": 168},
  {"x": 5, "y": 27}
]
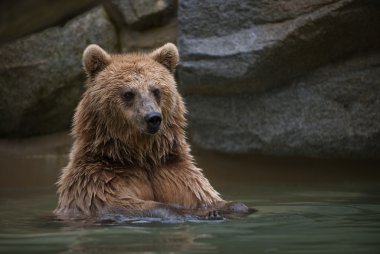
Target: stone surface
[
  {"x": 144, "y": 25},
  {"x": 238, "y": 46},
  {"x": 282, "y": 77},
  {"x": 41, "y": 77},
  {"x": 20, "y": 18},
  {"x": 148, "y": 40},
  {"x": 334, "y": 112},
  {"x": 142, "y": 14}
]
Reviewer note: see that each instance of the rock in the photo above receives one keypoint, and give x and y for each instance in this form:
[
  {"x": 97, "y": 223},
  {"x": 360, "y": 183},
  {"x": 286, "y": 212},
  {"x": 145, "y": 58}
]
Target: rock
[
  {"x": 20, "y": 18},
  {"x": 41, "y": 77},
  {"x": 148, "y": 40},
  {"x": 144, "y": 25},
  {"x": 334, "y": 112},
  {"x": 142, "y": 14},
  {"x": 239, "y": 46},
  {"x": 279, "y": 77}
]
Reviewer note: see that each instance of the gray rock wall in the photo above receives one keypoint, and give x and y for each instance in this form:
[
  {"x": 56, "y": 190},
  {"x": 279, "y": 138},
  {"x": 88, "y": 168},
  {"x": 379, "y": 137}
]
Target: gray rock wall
[
  {"x": 275, "y": 77},
  {"x": 20, "y": 18},
  {"x": 334, "y": 111},
  {"x": 41, "y": 77},
  {"x": 282, "y": 77}
]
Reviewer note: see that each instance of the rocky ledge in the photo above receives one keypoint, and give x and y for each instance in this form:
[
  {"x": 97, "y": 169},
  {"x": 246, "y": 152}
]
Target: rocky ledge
[{"x": 282, "y": 77}]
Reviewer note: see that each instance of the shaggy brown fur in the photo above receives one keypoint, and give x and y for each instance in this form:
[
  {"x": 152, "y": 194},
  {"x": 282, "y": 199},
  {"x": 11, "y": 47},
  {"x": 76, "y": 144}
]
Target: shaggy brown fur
[{"x": 116, "y": 165}]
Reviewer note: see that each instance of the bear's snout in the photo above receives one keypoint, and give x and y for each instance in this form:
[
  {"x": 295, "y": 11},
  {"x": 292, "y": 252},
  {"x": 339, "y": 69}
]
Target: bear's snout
[{"x": 153, "y": 121}]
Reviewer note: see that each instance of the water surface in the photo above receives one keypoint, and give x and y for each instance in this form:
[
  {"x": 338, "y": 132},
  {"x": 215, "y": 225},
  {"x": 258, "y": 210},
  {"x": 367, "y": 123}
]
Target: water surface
[{"x": 305, "y": 206}]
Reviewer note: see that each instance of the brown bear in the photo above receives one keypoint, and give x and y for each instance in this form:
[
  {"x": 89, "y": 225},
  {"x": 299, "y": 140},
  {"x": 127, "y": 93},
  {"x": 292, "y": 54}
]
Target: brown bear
[{"x": 130, "y": 154}]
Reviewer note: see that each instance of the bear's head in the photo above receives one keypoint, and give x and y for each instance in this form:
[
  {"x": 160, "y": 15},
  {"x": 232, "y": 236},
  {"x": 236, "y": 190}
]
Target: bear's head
[
  {"x": 131, "y": 103},
  {"x": 131, "y": 94}
]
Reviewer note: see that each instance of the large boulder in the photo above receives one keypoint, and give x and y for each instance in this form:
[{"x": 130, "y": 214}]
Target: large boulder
[
  {"x": 20, "y": 18},
  {"x": 41, "y": 77},
  {"x": 237, "y": 46},
  {"x": 333, "y": 112},
  {"x": 282, "y": 77}
]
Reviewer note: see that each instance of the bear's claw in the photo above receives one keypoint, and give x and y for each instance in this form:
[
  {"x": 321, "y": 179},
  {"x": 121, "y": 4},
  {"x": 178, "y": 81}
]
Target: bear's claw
[{"x": 214, "y": 215}]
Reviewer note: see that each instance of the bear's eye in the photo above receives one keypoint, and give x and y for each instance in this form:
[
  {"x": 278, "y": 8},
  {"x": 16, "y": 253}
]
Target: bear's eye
[
  {"x": 157, "y": 93},
  {"x": 128, "y": 96}
]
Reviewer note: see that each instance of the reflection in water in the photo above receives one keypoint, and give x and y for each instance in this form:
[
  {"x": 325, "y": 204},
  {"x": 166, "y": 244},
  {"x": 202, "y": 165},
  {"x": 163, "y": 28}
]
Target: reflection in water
[
  {"x": 129, "y": 239},
  {"x": 305, "y": 206}
]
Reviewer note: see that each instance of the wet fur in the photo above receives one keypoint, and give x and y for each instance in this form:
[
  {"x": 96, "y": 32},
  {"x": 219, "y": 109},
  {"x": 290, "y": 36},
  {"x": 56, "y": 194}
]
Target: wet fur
[{"x": 114, "y": 166}]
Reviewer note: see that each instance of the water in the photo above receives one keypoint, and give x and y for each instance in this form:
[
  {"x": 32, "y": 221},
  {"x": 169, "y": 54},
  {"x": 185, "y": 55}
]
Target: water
[{"x": 305, "y": 206}]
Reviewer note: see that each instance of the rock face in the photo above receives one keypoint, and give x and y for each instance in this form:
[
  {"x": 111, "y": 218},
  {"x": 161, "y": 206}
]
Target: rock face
[
  {"x": 144, "y": 14},
  {"x": 282, "y": 77},
  {"x": 144, "y": 24},
  {"x": 41, "y": 77},
  {"x": 20, "y": 18},
  {"x": 333, "y": 112},
  {"x": 147, "y": 40}
]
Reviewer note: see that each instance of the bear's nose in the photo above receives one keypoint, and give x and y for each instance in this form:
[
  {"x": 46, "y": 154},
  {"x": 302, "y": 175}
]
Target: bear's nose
[{"x": 153, "y": 120}]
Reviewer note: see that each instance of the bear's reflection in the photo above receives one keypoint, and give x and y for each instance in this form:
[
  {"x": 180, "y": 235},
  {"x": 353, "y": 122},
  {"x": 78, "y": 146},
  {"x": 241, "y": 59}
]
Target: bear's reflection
[{"x": 140, "y": 238}]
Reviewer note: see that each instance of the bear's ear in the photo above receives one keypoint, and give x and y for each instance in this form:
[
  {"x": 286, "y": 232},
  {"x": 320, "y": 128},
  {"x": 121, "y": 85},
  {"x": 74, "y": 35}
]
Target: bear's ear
[
  {"x": 95, "y": 59},
  {"x": 167, "y": 55}
]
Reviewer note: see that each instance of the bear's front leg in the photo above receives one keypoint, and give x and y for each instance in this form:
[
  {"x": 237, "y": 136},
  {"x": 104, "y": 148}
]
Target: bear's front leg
[
  {"x": 133, "y": 195},
  {"x": 134, "y": 207},
  {"x": 183, "y": 184}
]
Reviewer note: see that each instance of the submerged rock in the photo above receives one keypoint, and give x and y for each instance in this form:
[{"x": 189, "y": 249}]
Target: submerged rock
[
  {"x": 41, "y": 77},
  {"x": 280, "y": 77}
]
